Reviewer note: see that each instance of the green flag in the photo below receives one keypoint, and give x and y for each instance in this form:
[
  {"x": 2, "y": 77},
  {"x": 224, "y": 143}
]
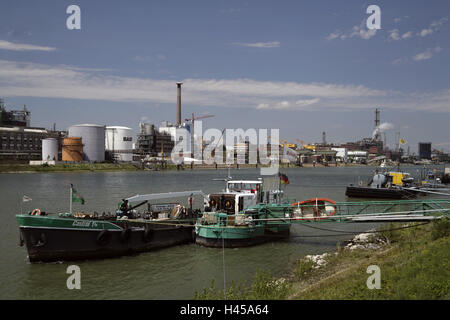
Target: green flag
[{"x": 75, "y": 196}]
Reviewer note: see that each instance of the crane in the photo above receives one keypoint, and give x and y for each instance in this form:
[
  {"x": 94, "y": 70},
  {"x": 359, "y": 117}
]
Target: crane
[
  {"x": 306, "y": 146},
  {"x": 198, "y": 118},
  {"x": 192, "y": 120},
  {"x": 288, "y": 144}
]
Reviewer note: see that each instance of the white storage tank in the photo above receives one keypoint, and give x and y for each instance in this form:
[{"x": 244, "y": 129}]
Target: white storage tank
[
  {"x": 50, "y": 149},
  {"x": 93, "y": 137},
  {"x": 119, "y": 142}
]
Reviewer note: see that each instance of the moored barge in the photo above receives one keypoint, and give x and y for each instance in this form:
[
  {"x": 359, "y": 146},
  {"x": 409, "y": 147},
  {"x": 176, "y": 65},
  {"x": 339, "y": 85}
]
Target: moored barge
[
  {"x": 240, "y": 216},
  {"x": 388, "y": 185},
  {"x": 79, "y": 236}
]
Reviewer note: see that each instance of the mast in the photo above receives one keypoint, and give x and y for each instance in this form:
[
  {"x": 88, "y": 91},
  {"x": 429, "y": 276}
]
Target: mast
[
  {"x": 398, "y": 151},
  {"x": 70, "y": 196}
]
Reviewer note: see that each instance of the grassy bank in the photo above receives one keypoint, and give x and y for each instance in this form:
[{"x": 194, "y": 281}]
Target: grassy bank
[
  {"x": 16, "y": 168},
  {"x": 20, "y": 168},
  {"x": 414, "y": 264}
]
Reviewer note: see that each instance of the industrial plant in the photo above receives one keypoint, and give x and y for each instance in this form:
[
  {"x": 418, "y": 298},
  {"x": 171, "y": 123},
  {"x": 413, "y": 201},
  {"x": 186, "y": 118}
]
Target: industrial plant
[{"x": 22, "y": 143}]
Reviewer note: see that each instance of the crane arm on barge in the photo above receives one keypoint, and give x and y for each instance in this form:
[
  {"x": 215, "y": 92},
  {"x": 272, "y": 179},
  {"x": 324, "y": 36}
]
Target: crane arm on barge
[{"x": 157, "y": 196}]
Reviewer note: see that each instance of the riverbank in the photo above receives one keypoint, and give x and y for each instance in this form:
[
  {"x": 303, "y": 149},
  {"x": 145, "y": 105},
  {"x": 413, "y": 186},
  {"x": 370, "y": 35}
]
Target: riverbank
[
  {"x": 413, "y": 263},
  {"x": 81, "y": 167}
]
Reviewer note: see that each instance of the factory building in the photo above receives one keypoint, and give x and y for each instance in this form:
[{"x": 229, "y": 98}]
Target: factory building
[
  {"x": 21, "y": 143},
  {"x": 119, "y": 143},
  {"x": 93, "y": 137},
  {"x": 50, "y": 148},
  {"x": 24, "y": 144},
  {"x": 72, "y": 149},
  {"x": 19, "y": 118},
  {"x": 341, "y": 154},
  {"x": 425, "y": 150},
  {"x": 178, "y": 133},
  {"x": 151, "y": 142}
]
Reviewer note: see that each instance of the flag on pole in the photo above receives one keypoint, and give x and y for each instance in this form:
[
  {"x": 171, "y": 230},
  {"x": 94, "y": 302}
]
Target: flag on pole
[
  {"x": 26, "y": 198},
  {"x": 284, "y": 179},
  {"x": 75, "y": 196}
]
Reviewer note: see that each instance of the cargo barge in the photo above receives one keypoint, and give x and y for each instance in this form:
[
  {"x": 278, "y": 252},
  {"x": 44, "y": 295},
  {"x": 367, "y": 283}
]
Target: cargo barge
[
  {"x": 80, "y": 236},
  {"x": 388, "y": 185}
]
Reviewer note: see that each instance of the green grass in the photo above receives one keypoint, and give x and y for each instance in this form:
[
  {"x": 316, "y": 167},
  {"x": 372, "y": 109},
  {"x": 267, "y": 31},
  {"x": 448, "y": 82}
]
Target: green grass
[
  {"x": 414, "y": 265},
  {"x": 67, "y": 167},
  {"x": 263, "y": 287}
]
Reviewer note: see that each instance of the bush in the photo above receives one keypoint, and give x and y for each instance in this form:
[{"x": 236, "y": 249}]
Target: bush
[
  {"x": 304, "y": 267},
  {"x": 440, "y": 228},
  {"x": 263, "y": 287}
]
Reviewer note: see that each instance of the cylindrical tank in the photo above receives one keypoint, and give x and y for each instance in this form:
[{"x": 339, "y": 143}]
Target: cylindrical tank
[
  {"x": 93, "y": 136},
  {"x": 119, "y": 142},
  {"x": 49, "y": 149},
  {"x": 72, "y": 149}
]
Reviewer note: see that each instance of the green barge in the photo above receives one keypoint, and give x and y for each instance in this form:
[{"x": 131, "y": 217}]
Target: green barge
[
  {"x": 254, "y": 225},
  {"x": 52, "y": 237}
]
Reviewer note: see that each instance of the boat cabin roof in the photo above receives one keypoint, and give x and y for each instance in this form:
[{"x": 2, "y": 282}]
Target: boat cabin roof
[{"x": 245, "y": 181}]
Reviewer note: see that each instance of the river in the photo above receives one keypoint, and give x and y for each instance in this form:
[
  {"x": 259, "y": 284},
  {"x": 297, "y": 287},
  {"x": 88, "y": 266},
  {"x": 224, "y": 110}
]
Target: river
[{"x": 172, "y": 273}]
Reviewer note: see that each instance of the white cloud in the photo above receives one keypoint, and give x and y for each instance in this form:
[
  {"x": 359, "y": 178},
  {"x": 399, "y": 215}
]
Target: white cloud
[
  {"x": 363, "y": 32},
  {"x": 306, "y": 102},
  {"x": 394, "y": 35},
  {"x": 407, "y": 35},
  {"x": 299, "y": 104},
  {"x": 426, "y": 32},
  {"x": 271, "y": 44},
  {"x": 6, "y": 45},
  {"x": 360, "y": 31},
  {"x": 439, "y": 23},
  {"x": 428, "y": 54},
  {"x": 423, "y": 56},
  {"x": 25, "y": 79},
  {"x": 434, "y": 26},
  {"x": 334, "y": 35}
]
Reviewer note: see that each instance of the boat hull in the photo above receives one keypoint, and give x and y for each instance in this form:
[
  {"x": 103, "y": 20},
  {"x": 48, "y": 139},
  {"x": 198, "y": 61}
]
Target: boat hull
[
  {"x": 48, "y": 241},
  {"x": 236, "y": 237},
  {"x": 381, "y": 193}
]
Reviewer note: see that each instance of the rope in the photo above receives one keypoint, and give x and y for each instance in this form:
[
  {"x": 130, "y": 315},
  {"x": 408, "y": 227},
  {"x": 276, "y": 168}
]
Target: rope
[
  {"x": 342, "y": 232},
  {"x": 223, "y": 262},
  {"x": 373, "y": 231}
]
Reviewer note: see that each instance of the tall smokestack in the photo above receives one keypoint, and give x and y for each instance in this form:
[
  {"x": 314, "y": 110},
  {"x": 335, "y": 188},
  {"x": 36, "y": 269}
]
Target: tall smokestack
[
  {"x": 179, "y": 103},
  {"x": 377, "y": 124}
]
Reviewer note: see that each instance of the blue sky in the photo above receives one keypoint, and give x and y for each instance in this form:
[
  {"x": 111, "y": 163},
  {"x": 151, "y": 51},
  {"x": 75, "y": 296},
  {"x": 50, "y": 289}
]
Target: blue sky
[{"x": 301, "y": 66}]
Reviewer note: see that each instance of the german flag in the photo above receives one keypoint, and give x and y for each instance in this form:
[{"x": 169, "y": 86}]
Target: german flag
[{"x": 284, "y": 179}]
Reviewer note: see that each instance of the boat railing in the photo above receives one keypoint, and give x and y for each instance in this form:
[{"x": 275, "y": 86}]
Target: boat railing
[{"x": 271, "y": 214}]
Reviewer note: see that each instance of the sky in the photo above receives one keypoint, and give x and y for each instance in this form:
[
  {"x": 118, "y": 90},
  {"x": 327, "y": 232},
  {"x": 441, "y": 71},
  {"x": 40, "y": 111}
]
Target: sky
[{"x": 303, "y": 67}]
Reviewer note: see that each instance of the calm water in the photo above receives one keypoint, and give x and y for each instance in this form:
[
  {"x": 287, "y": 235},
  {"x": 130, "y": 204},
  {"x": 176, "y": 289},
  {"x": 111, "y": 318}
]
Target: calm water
[{"x": 173, "y": 273}]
